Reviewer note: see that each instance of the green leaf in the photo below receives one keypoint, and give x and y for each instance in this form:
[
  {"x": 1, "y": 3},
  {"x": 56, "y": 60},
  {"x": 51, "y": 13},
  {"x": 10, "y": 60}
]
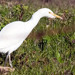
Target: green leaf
[
  {"x": 58, "y": 56},
  {"x": 6, "y": 19},
  {"x": 25, "y": 7},
  {"x": 47, "y": 38}
]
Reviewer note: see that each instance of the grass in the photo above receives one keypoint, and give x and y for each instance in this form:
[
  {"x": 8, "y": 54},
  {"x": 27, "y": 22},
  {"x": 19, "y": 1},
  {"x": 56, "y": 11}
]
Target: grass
[{"x": 52, "y": 50}]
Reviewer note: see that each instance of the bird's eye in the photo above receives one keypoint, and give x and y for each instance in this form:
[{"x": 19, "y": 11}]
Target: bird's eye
[{"x": 49, "y": 12}]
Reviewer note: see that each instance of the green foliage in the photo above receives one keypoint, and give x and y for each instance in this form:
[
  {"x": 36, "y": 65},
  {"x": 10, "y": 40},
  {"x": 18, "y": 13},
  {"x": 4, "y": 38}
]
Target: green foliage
[{"x": 58, "y": 56}]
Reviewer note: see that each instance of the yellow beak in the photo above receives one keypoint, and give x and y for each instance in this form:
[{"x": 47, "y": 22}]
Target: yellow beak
[{"x": 56, "y": 16}]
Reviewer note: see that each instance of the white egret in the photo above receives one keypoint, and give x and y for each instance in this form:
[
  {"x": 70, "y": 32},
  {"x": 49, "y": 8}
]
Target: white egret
[{"x": 14, "y": 33}]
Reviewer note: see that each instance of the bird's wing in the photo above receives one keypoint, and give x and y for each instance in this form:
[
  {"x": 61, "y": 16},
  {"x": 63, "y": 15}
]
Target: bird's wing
[{"x": 11, "y": 34}]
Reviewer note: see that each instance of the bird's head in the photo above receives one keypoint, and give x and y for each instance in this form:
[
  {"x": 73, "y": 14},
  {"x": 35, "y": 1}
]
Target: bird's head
[{"x": 45, "y": 12}]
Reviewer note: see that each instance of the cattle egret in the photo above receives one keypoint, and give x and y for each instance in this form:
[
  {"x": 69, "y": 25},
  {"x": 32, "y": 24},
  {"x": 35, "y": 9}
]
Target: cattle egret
[{"x": 14, "y": 33}]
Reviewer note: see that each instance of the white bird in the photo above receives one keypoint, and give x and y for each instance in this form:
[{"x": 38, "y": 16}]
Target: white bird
[{"x": 14, "y": 33}]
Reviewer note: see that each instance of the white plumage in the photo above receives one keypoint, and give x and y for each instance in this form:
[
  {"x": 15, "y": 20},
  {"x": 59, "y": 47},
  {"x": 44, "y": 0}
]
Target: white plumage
[{"x": 13, "y": 34}]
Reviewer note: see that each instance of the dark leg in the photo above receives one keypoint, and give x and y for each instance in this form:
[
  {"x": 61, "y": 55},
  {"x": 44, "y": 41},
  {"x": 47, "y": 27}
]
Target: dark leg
[
  {"x": 10, "y": 62},
  {"x": 6, "y": 60}
]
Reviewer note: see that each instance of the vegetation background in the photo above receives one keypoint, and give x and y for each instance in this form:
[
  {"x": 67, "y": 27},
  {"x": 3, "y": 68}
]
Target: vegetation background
[{"x": 50, "y": 48}]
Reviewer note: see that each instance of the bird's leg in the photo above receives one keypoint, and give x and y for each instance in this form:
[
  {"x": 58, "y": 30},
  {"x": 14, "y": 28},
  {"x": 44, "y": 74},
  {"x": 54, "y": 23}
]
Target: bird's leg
[
  {"x": 10, "y": 62},
  {"x": 6, "y": 60}
]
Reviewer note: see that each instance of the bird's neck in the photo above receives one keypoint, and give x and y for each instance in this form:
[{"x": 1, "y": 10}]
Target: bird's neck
[{"x": 34, "y": 20}]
